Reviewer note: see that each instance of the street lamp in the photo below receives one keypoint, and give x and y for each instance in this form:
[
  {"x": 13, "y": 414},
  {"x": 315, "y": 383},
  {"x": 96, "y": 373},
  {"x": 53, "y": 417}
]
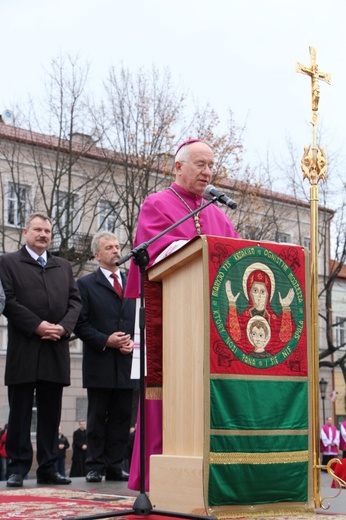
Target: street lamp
[{"x": 323, "y": 387}]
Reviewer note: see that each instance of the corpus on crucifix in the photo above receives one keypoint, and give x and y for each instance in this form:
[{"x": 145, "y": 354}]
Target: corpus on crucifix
[
  {"x": 314, "y": 160},
  {"x": 315, "y": 75}
]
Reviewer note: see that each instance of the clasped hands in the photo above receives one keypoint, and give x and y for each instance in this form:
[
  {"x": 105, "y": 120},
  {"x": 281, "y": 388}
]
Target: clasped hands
[
  {"x": 121, "y": 341},
  {"x": 50, "y": 331}
]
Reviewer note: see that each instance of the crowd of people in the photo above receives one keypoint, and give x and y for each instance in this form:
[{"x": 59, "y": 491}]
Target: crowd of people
[
  {"x": 44, "y": 305},
  {"x": 332, "y": 441}
]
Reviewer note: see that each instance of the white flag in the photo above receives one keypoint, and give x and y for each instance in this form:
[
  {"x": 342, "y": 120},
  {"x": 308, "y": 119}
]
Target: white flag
[{"x": 333, "y": 395}]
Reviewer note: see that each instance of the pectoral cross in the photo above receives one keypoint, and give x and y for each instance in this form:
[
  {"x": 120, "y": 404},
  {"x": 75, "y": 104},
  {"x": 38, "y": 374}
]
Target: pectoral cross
[{"x": 315, "y": 75}]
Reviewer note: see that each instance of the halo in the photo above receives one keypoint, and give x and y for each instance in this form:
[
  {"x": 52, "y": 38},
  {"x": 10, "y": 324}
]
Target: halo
[{"x": 262, "y": 267}]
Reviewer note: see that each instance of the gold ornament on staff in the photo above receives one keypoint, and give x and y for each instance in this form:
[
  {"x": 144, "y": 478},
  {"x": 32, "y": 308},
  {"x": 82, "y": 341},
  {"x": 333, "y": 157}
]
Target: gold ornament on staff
[{"x": 314, "y": 166}]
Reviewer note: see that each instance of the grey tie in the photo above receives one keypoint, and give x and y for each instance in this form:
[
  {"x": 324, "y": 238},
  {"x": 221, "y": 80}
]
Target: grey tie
[{"x": 41, "y": 261}]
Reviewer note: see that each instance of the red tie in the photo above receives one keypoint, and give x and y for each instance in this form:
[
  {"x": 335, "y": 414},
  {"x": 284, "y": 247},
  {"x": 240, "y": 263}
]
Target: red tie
[{"x": 116, "y": 284}]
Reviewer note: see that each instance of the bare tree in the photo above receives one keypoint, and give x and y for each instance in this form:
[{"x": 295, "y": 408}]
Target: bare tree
[
  {"x": 57, "y": 170},
  {"x": 143, "y": 120},
  {"x": 331, "y": 243},
  {"x": 136, "y": 122},
  {"x": 91, "y": 167}
]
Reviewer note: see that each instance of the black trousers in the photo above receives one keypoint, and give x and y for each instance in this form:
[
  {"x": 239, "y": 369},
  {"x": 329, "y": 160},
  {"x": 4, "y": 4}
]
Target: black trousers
[
  {"x": 18, "y": 441},
  {"x": 108, "y": 428}
]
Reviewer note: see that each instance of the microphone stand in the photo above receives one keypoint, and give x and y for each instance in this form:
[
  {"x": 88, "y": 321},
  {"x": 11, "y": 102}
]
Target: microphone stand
[{"x": 142, "y": 505}]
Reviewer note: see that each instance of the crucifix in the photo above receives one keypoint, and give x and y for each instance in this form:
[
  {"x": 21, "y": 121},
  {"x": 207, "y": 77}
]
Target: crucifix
[
  {"x": 314, "y": 166},
  {"x": 315, "y": 75},
  {"x": 314, "y": 161}
]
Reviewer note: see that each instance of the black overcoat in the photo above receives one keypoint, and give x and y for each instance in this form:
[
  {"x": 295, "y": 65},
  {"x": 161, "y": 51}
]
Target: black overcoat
[
  {"x": 78, "y": 455},
  {"x": 103, "y": 313},
  {"x": 33, "y": 294}
]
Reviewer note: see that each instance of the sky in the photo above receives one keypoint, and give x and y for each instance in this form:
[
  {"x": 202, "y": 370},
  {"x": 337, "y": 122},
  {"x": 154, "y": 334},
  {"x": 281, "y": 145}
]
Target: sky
[{"x": 234, "y": 54}]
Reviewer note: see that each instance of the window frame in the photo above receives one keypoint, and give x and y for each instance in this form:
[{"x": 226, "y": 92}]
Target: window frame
[
  {"x": 340, "y": 332},
  {"x": 60, "y": 218},
  {"x": 107, "y": 221},
  {"x": 19, "y": 220}
]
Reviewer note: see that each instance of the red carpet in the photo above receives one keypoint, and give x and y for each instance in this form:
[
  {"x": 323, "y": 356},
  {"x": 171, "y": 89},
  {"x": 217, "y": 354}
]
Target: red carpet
[{"x": 52, "y": 503}]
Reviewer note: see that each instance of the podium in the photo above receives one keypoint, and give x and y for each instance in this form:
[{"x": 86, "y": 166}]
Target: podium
[
  {"x": 236, "y": 421},
  {"x": 176, "y": 482}
]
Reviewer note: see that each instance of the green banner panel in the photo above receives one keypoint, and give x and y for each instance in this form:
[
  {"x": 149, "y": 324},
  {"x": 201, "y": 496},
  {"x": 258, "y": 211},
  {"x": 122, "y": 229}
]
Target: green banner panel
[
  {"x": 240, "y": 484},
  {"x": 258, "y": 405},
  {"x": 258, "y": 443}
]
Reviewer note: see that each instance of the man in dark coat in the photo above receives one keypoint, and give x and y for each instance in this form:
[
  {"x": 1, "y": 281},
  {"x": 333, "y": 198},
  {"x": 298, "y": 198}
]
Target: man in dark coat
[
  {"x": 106, "y": 326},
  {"x": 79, "y": 447},
  {"x": 42, "y": 307},
  {"x": 63, "y": 446}
]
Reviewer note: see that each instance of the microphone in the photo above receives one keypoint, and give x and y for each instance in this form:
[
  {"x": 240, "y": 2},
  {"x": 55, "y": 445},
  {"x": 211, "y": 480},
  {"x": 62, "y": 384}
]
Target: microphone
[{"x": 212, "y": 192}]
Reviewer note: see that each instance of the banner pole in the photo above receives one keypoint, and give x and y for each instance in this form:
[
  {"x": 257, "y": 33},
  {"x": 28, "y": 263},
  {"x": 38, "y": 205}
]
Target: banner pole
[{"x": 314, "y": 166}]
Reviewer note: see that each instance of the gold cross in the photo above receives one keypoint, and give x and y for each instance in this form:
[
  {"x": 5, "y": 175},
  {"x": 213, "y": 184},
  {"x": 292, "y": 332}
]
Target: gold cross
[{"x": 315, "y": 75}]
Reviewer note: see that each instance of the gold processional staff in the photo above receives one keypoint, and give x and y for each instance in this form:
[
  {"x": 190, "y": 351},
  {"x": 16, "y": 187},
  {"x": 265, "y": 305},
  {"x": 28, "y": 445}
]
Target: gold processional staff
[{"x": 314, "y": 166}]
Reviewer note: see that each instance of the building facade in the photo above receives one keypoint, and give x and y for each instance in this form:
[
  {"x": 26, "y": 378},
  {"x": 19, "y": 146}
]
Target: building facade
[{"x": 335, "y": 402}]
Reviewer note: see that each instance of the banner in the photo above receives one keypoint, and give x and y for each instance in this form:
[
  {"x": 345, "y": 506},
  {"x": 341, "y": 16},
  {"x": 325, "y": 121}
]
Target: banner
[{"x": 258, "y": 452}]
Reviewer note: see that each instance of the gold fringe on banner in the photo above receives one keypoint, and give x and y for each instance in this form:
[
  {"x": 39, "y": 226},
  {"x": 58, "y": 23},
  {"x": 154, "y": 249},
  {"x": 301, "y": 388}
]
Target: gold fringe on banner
[
  {"x": 271, "y": 515},
  {"x": 259, "y": 458}
]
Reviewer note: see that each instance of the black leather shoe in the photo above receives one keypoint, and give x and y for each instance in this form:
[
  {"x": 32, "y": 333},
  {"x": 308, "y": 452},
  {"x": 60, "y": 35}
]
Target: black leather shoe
[
  {"x": 117, "y": 475},
  {"x": 53, "y": 478},
  {"x": 93, "y": 476},
  {"x": 15, "y": 480}
]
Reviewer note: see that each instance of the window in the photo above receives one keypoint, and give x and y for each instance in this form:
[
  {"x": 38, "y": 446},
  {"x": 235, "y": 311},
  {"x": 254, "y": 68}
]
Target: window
[
  {"x": 17, "y": 204},
  {"x": 65, "y": 211},
  {"x": 284, "y": 237},
  {"x": 306, "y": 242},
  {"x": 107, "y": 217},
  {"x": 110, "y": 220},
  {"x": 340, "y": 331}
]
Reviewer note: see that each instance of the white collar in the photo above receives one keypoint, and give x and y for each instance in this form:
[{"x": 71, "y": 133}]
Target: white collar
[
  {"x": 35, "y": 255},
  {"x": 108, "y": 274}
]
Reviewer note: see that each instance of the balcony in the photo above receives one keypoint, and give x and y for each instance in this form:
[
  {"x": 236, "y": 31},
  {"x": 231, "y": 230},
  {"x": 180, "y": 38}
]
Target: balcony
[{"x": 76, "y": 248}]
